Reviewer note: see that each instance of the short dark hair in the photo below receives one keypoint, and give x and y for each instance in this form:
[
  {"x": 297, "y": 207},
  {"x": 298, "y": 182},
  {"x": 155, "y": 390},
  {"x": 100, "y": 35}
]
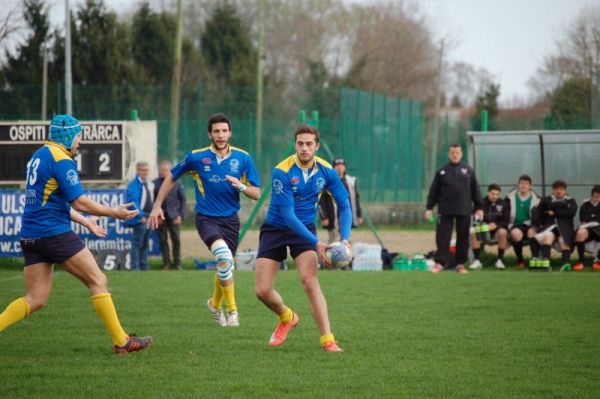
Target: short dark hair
[
  {"x": 596, "y": 189},
  {"x": 304, "y": 128},
  {"x": 218, "y": 118},
  {"x": 525, "y": 178},
  {"x": 455, "y": 145},
  {"x": 494, "y": 186},
  {"x": 558, "y": 184}
]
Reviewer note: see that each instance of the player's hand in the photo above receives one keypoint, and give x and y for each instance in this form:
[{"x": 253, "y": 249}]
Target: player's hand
[
  {"x": 479, "y": 214},
  {"x": 124, "y": 213},
  {"x": 321, "y": 250},
  {"x": 492, "y": 226},
  {"x": 359, "y": 221},
  {"x": 325, "y": 222},
  {"x": 95, "y": 228},
  {"x": 347, "y": 244},
  {"x": 177, "y": 221},
  {"x": 428, "y": 214},
  {"x": 156, "y": 218},
  {"x": 235, "y": 182}
]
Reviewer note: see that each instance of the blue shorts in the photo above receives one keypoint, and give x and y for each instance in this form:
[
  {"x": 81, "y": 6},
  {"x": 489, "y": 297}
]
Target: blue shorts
[
  {"x": 54, "y": 249},
  {"x": 273, "y": 242},
  {"x": 212, "y": 229}
]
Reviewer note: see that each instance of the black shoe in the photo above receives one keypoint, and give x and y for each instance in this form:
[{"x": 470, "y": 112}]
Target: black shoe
[{"x": 133, "y": 344}]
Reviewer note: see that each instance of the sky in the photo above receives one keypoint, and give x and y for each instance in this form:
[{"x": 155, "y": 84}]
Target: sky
[{"x": 509, "y": 38}]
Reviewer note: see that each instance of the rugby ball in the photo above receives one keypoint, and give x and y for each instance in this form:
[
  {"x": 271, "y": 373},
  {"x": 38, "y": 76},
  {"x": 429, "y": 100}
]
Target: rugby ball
[{"x": 338, "y": 255}]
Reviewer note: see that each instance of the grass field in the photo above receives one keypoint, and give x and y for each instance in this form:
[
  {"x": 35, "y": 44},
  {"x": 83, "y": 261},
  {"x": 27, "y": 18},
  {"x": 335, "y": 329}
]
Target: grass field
[{"x": 406, "y": 334}]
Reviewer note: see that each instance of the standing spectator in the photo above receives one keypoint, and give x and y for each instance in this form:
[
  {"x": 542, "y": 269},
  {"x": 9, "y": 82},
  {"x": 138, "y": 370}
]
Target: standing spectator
[
  {"x": 222, "y": 174},
  {"x": 496, "y": 213},
  {"x": 174, "y": 210},
  {"x": 589, "y": 216},
  {"x": 327, "y": 206},
  {"x": 456, "y": 192},
  {"x": 521, "y": 201},
  {"x": 553, "y": 217},
  {"x": 327, "y": 215},
  {"x": 140, "y": 192}
]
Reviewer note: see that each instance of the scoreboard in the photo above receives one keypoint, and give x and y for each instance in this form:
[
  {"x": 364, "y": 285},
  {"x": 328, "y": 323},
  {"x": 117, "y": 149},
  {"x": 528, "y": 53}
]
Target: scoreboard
[{"x": 100, "y": 158}]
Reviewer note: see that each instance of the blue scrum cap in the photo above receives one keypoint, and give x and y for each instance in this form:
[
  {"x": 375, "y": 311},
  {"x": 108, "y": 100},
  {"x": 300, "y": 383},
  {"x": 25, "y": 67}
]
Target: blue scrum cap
[{"x": 63, "y": 130}]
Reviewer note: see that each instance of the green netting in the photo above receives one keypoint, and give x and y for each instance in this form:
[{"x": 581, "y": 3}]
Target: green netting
[{"x": 381, "y": 137}]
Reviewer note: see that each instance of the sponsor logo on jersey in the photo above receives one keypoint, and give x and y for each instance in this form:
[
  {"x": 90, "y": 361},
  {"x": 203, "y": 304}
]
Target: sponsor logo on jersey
[
  {"x": 234, "y": 166},
  {"x": 277, "y": 186},
  {"x": 206, "y": 161},
  {"x": 295, "y": 180},
  {"x": 72, "y": 177},
  {"x": 320, "y": 184}
]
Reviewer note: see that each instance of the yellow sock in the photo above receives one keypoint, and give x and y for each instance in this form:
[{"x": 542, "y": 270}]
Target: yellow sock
[
  {"x": 217, "y": 297},
  {"x": 286, "y": 316},
  {"x": 229, "y": 294},
  {"x": 326, "y": 338},
  {"x": 17, "y": 310},
  {"x": 105, "y": 308}
]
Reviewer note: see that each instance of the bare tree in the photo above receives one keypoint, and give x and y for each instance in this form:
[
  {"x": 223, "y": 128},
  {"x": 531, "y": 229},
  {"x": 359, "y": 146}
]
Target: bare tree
[
  {"x": 10, "y": 23},
  {"x": 577, "y": 55}
]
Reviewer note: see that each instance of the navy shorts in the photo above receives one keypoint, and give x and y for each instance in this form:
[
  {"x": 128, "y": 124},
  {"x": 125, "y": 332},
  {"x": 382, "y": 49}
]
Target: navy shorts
[
  {"x": 273, "y": 242},
  {"x": 55, "y": 249},
  {"x": 212, "y": 228}
]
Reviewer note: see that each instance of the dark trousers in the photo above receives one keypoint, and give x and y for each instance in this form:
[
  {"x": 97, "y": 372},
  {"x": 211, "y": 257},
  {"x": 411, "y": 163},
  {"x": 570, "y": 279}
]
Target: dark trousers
[
  {"x": 139, "y": 247},
  {"x": 164, "y": 231},
  {"x": 443, "y": 234}
]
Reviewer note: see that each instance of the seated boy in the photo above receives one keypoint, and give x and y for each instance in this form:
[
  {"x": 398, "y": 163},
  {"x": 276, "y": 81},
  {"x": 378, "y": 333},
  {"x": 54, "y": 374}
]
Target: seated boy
[
  {"x": 589, "y": 230},
  {"x": 553, "y": 218},
  {"x": 496, "y": 213},
  {"x": 521, "y": 201}
]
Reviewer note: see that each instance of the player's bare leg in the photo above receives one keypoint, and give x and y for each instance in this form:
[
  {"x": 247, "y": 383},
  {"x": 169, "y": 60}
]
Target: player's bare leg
[
  {"x": 306, "y": 263},
  {"x": 265, "y": 276},
  {"x": 264, "y": 283},
  {"x": 307, "y": 269},
  {"x": 83, "y": 266},
  {"x": 38, "y": 281}
]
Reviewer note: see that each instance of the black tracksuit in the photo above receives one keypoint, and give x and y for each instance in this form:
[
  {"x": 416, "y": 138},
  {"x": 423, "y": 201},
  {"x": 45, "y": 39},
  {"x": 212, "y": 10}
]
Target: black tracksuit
[
  {"x": 496, "y": 212},
  {"x": 456, "y": 192},
  {"x": 563, "y": 212},
  {"x": 590, "y": 213}
]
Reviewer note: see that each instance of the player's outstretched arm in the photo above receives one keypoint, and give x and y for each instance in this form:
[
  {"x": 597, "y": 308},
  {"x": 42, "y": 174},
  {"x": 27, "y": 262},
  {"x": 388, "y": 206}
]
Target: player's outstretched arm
[
  {"x": 88, "y": 205},
  {"x": 89, "y": 223}
]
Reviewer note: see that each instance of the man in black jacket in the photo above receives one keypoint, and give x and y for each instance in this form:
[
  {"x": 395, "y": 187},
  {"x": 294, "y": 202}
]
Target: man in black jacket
[
  {"x": 589, "y": 216},
  {"x": 456, "y": 193},
  {"x": 553, "y": 217},
  {"x": 496, "y": 214},
  {"x": 327, "y": 211},
  {"x": 174, "y": 211}
]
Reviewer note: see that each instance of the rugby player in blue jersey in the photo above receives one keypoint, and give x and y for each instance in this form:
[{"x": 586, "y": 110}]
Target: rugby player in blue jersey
[
  {"x": 221, "y": 174},
  {"x": 298, "y": 182},
  {"x": 53, "y": 190}
]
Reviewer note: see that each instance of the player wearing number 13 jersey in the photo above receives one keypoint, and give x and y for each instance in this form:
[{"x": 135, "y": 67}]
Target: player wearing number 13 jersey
[{"x": 52, "y": 188}]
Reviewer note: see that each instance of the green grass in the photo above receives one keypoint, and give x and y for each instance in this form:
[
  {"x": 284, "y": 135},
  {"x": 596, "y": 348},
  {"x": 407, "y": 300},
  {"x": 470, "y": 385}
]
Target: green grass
[{"x": 406, "y": 334}]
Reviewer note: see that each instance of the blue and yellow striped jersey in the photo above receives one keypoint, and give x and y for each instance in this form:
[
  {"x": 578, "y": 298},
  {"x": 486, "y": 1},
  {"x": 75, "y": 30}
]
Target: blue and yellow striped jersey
[
  {"x": 302, "y": 188},
  {"x": 214, "y": 195},
  {"x": 52, "y": 183}
]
